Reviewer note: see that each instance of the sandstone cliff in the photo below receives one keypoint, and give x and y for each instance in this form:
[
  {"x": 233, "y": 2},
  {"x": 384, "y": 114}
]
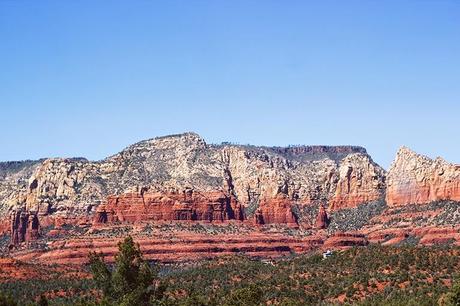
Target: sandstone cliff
[
  {"x": 24, "y": 227},
  {"x": 360, "y": 181},
  {"x": 417, "y": 179},
  {"x": 342, "y": 176},
  {"x": 179, "y": 205}
]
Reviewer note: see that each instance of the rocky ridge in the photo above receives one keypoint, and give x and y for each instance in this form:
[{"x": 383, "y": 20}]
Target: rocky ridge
[
  {"x": 280, "y": 200},
  {"x": 300, "y": 174}
]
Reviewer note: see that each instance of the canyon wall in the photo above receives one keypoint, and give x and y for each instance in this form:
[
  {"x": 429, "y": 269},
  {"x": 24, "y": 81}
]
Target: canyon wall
[
  {"x": 275, "y": 210},
  {"x": 226, "y": 181}
]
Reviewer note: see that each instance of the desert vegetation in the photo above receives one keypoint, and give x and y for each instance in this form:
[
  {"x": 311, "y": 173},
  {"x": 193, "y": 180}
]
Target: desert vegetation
[{"x": 374, "y": 275}]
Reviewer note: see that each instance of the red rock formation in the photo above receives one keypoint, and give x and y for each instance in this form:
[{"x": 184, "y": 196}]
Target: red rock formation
[
  {"x": 439, "y": 236},
  {"x": 18, "y": 227},
  {"x": 388, "y": 236},
  {"x": 24, "y": 227},
  {"x": 275, "y": 210},
  {"x": 104, "y": 215},
  {"x": 360, "y": 181},
  {"x": 345, "y": 240},
  {"x": 306, "y": 174},
  {"x": 167, "y": 206},
  {"x": 417, "y": 179},
  {"x": 184, "y": 247},
  {"x": 33, "y": 228},
  {"x": 258, "y": 217},
  {"x": 322, "y": 220}
]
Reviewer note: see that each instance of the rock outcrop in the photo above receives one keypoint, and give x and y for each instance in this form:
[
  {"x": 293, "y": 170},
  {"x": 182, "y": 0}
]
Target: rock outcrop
[
  {"x": 185, "y": 205},
  {"x": 25, "y": 227},
  {"x": 275, "y": 210},
  {"x": 345, "y": 240},
  {"x": 360, "y": 181},
  {"x": 184, "y": 246},
  {"x": 322, "y": 220},
  {"x": 417, "y": 179}
]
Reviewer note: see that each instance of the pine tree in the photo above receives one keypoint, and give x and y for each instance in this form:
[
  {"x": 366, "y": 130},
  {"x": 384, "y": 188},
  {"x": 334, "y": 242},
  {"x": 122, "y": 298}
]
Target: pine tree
[{"x": 131, "y": 280}]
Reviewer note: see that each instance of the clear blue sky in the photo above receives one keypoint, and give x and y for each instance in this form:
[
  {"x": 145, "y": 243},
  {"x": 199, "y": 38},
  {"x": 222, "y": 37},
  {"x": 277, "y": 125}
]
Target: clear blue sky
[{"x": 87, "y": 78}]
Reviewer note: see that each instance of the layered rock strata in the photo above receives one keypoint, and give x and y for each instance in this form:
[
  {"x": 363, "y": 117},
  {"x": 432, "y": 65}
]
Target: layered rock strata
[
  {"x": 417, "y": 179},
  {"x": 276, "y": 210},
  {"x": 360, "y": 181},
  {"x": 318, "y": 197},
  {"x": 186, "y": 205}
]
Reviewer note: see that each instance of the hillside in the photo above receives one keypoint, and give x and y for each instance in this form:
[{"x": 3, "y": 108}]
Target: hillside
[{"x": 403, "y": 275}]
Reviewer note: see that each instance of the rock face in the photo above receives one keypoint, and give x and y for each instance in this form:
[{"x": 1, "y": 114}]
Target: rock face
[
  {"x": 322, "y": 220},
  {"x": 255, "y": 176},
  {"x": 417, "y": 179},
  {"x": 360, "y": 181},
  {"x": 345, "y": 240},
  {"x": 185, "y": 205},
  {"x": 60, "y": 183},
  {"x": 276, "y": 210},
  {"x": 185, "y": 245},
  {"x": 24, "y": 227}
]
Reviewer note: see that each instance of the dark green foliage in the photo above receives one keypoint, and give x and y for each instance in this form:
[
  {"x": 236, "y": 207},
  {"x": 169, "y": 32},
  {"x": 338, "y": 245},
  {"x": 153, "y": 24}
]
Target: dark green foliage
[
  {"x": 355, "y": 218},
  {"x": 25, "y": 291},
  {"x": 42, "y": 301},
  {"x": 6, "y": 300},
  {"x": 247, "y": 296},
  {"x": 373, "y": 275},
  {"x": 452, "y": 298},
  {"x": 101, "y": 274},
  {"x": 130, "y": 282}
]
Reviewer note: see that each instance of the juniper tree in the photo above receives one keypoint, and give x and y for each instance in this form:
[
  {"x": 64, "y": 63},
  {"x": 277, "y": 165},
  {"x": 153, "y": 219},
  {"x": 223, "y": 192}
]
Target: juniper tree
[{"x": 129, "y": 282}]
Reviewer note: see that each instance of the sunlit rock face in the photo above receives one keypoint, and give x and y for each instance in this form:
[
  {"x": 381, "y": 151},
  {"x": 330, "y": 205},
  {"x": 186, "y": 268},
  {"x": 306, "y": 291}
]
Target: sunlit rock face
[
  {"x": 275, "y": 210},
  {"x": 417, "y": 179},
  {"x": 360, "y": 181},
  {"x": 185, "y": 205},
  {"x": 322, "y": 220},
  {"x": 339, "y": 177},
  {"x": 24, "y": 227}
]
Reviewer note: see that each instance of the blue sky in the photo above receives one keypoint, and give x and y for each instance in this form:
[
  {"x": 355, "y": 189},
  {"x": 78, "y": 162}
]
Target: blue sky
[{"x": 87, "y": 78}]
